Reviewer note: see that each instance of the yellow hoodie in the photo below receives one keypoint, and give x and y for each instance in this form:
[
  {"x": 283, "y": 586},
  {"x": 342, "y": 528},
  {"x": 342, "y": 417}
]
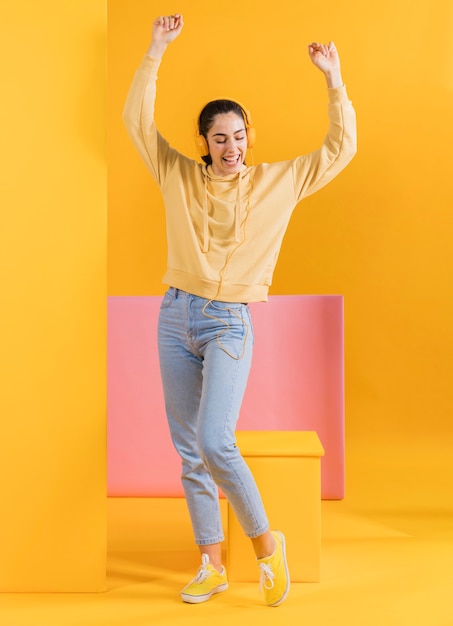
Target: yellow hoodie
[{"x": 225, "y": 232}]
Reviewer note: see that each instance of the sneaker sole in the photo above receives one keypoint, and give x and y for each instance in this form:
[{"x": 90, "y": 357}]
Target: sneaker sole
[
  {"x": 205, "y": 597},
  {"x": 280, "y": 600}
]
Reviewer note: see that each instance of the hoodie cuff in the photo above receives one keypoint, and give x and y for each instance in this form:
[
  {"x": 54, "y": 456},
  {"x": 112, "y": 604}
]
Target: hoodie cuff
[{"x": 337, "y": 95}]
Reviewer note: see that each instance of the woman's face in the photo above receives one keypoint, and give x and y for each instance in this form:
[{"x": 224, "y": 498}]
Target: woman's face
[{"x": 227, "y": 141}]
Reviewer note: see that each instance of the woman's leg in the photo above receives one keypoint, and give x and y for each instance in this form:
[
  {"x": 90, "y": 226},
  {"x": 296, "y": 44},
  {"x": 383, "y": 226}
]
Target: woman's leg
[
  {"x": 205, "y": 360},
  {"x": 204, "y": 372},
  {"x": 182, "y": 378},
  {"x": 226, "y": 365}
]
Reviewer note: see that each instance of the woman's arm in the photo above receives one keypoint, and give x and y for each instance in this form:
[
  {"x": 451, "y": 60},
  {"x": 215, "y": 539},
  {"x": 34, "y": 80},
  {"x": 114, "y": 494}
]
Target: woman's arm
[
  {"x": 318, "y": 168},
  {"x": 138, "y": 113}
]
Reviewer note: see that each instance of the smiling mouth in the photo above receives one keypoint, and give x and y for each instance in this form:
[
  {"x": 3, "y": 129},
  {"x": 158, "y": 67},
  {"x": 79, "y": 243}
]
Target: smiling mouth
[{"x": 232, "y": 160}]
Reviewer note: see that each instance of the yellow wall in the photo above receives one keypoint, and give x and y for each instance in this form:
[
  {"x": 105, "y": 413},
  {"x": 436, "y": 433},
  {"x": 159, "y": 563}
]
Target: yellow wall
[
  {"x": 53, "y": 290},
  {"x": 380, "y": 234}
]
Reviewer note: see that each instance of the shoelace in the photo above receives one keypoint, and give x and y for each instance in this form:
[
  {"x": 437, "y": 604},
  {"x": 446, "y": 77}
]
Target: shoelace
[
  {"x": 267, "y": 577},
  {"x": 203, "y": 572}
]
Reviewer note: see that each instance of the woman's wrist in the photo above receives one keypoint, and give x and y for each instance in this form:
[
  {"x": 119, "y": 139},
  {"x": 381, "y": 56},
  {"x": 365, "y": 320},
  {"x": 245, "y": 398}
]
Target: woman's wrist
[
  {"x": 156, "y": 49},
  {"x": 333, "y": 79}
]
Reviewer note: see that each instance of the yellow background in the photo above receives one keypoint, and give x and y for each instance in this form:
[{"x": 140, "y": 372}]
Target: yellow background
[
  {"x": 380, "y": 234},
  {"x": 53, "y": 291}
]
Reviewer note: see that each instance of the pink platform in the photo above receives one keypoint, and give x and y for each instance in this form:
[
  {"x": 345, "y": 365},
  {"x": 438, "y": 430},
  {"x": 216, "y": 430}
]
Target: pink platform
[{"x": 296, "y": 383}]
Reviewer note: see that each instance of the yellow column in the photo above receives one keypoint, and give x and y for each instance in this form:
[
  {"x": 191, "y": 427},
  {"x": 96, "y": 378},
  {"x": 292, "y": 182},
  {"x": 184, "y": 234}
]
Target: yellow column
[{"x": 52, "y": 296}]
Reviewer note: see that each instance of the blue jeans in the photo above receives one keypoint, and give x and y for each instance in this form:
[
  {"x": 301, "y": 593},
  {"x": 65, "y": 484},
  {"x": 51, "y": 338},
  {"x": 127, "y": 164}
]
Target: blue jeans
[{"x": 205, "y": 352}]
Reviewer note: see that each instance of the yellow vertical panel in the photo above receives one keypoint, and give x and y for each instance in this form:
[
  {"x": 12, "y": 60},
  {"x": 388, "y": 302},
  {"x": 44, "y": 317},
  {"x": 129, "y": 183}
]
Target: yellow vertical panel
[{"x": 53, "y": 290}]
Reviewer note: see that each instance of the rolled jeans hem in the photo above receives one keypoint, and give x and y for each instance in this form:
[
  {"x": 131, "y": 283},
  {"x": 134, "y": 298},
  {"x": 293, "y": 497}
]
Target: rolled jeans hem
[
  {"x": 258, "y": 533},
  {"x": 209, "y": 542}
]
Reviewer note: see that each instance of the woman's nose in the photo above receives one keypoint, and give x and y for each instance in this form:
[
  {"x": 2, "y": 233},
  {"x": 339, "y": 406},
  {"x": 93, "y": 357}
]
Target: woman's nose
[{"x": 229, "y": 144}]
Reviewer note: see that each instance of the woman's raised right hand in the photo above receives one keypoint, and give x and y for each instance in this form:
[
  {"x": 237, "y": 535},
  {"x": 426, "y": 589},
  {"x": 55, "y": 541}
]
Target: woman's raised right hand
[{"x": 166, "y": 28}]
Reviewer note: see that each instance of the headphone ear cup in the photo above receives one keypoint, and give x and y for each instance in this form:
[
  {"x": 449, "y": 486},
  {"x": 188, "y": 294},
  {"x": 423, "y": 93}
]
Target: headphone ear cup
[
  {"x": 202, "y": 145},
  {"x": 251, "y": 137}
]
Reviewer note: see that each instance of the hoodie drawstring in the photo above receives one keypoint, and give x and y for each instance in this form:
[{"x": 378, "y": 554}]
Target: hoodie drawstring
[
  {"x": 237, "y": 214},
  {"x": 205, "y": 246}
]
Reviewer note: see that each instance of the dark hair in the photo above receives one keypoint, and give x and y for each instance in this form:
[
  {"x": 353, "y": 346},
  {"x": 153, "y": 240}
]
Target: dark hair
[{"x": 208, "y": 114}]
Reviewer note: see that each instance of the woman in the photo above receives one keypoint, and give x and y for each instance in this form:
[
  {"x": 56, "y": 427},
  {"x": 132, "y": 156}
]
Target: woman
[{"x": 225, "y": 225}]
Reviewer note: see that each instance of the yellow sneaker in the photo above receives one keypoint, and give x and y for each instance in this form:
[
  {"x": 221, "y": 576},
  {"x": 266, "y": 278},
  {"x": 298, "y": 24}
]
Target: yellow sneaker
[
  {"x": 207, "y": 581},
  {"x": 274, "y": 579}
]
